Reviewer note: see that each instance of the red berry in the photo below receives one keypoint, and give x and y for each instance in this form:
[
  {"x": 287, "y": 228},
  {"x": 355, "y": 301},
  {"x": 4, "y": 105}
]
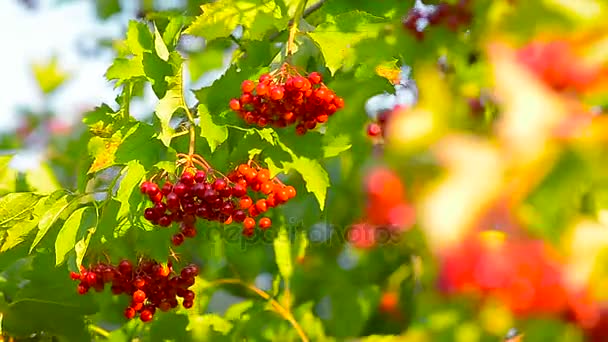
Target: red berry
[
  {"x": 243, "y": 169},
  {"x": 200, "y": 176},
  {"x": 129, "y": 313},
  {"x": 247, "y": 86},
  {"x": 219, "y": 184},
  {"x": 374, "y": 130},
  {"x": 291, "y": 191},
  {"x": 282, "y": 195},
  {"x": 188, "y": 304},
  {"x": 245, "y": 202},
  {"x": 187, "y": 178},
  {"x": 177, "y": 239},
  {"x": 139, "y": 296},
  {"x": 261, "y": 89},
  {"x": 146, "y": 315},
  {"x": 263, "y": 175},
  {"x": 265, "y": 223},
  {"x": 266, "y": 187},
  {"x": 82, "y": 289},
  {"x": 249, "y": 223},
  {"x": 164, "y": 221},
  {"x": 276, "y": 93},
  {"x": 239, "y": 190},
  {"x": 315, "y": 78},
  {"x": 125, "y": 267},
  {"x": 261, "y": 205},
  {"x": 139, "y": 283},
  {"x": 74, "y": 276},
  {"x": 239, "y": 215},
  {"x": 265, "y": 78},
  {"x": 235, "y": 105}
]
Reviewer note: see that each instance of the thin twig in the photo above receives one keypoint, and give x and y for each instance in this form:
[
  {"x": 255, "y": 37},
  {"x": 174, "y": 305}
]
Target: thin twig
[{"x": 275, "y": 304}]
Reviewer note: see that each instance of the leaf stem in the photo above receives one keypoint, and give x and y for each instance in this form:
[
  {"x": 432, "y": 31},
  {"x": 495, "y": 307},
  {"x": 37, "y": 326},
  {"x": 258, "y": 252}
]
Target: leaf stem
[
  {"x": 99, "y": 330},
  {"x": 192, "y": 140},
  {"x": 294, "y": 26},
  {"x": 275, "y": 304}
]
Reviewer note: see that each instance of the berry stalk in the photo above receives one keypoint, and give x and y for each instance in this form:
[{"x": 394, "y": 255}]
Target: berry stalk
[{"x": 294, "y": 27}]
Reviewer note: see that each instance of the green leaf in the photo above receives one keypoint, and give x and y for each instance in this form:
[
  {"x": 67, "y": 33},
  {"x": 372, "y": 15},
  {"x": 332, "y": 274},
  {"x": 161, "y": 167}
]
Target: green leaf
[
  {"x": 336, "y": 38},
  {"x": 42, "y": 179},
  {"x": 79, "y": 223},
  {"x": 50, "y": 217},
  {"x": 211, "y": 57},
  {"x": 8, "y": 176},
  {"x": 217, "y": 323},
  {"x": 16, "y": 234},
  {"x": 282, "y": 252},
  {"x": 49, "y": 76},
  {"x": 124, "y": 69},
  {"x": 214, "y": 133},
  {"x": 132, "y": 175},
  {"x": 16, "y": 207},
  {"x": 334, "y": 145},
  {"x": 173, "y": 30},
  {"x": 54, "y": 307},
  {"x": 221, "y": 17},
  {"x": 159, "y": 45},
  {"x": 171, "y": 102},
  {"x": 157, "y": 70},
  {"x": 130, "y": 148},
  {"x": 103, "y": 151},
  {"x": 139, "y": 38},
  {"x": 315, "y": 176}
]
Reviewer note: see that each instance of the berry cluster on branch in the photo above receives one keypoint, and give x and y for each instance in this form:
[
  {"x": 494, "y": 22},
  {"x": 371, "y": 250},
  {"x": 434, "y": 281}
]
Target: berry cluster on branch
[
  {"x": 284, "y": 97},
  {"x": 149, "y": 284},
  {"x": 207, "y": 194}
]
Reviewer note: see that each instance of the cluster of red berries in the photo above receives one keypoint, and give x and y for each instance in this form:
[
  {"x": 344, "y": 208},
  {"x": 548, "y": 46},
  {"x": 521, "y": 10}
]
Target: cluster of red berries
[
  {"x": 558, "y": 65},
  {"x": 149, "y": 285},
  {"x": 284, "y": 98},
  {"x": 214, "y": 198},
  {"x": 451, "y": 15},
  {"x": 269, "y": 193}
]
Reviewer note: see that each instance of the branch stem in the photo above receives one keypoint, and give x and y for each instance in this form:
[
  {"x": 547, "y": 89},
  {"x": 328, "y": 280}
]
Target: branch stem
[
  {"x": 280, "y": 309},
  {"x": 293, "y": 29}
]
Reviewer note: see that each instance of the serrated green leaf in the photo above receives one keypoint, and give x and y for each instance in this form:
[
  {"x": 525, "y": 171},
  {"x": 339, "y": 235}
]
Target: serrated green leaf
[
  {"x": 157, "y": 71},
  {"x": 336, "y": 38},
  {"x": 16, "y": 207},
  {"x": 315, "y": 176},
  {"x": 238, "y": 310},
  {"x": 159, "y": 45},
  {"x": 221, "y": 17},
  {"x": 171, "y": 102},
  {"x": 124, "y": 69},
  {"x": 334, "y": 145},
  {"x": 215, "y": 134},
  {"x": 130, "y": 148},
  {"x": 282, "y": 253},
  {"x": 139, "y": 38},
  {"x": 16, "y": 234},
  {"x": 50, "y": 217},
  {"x": 52, "y": 307},
  {"x": 210, "y": 58},
  {"x": 266, "y": 134},
  {"x": 132, "y": 174},
  {"x": 103, "y": 151},
  {"x": 218, "y": 323},
  {"x": 79, "y": 223},
  {"x": 42, "y": 179},
  {"x": 254, "y": 152},
  {"x": 173, "y": 30}
]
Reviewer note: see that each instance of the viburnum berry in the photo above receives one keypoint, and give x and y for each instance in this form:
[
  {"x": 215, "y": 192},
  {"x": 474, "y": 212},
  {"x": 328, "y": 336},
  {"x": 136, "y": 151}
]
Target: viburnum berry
[
  {"x": 149, "y": 285},
  {"x": 247, "y": 191},
  {"x": 265, "y": 223},
  {"x": 284, "y": 97},
  {"x": 249, "y": 223}
]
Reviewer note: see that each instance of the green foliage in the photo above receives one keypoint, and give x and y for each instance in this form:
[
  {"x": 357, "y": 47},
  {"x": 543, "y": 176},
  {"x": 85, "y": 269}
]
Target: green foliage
[{"x": 302, "y": 279}]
